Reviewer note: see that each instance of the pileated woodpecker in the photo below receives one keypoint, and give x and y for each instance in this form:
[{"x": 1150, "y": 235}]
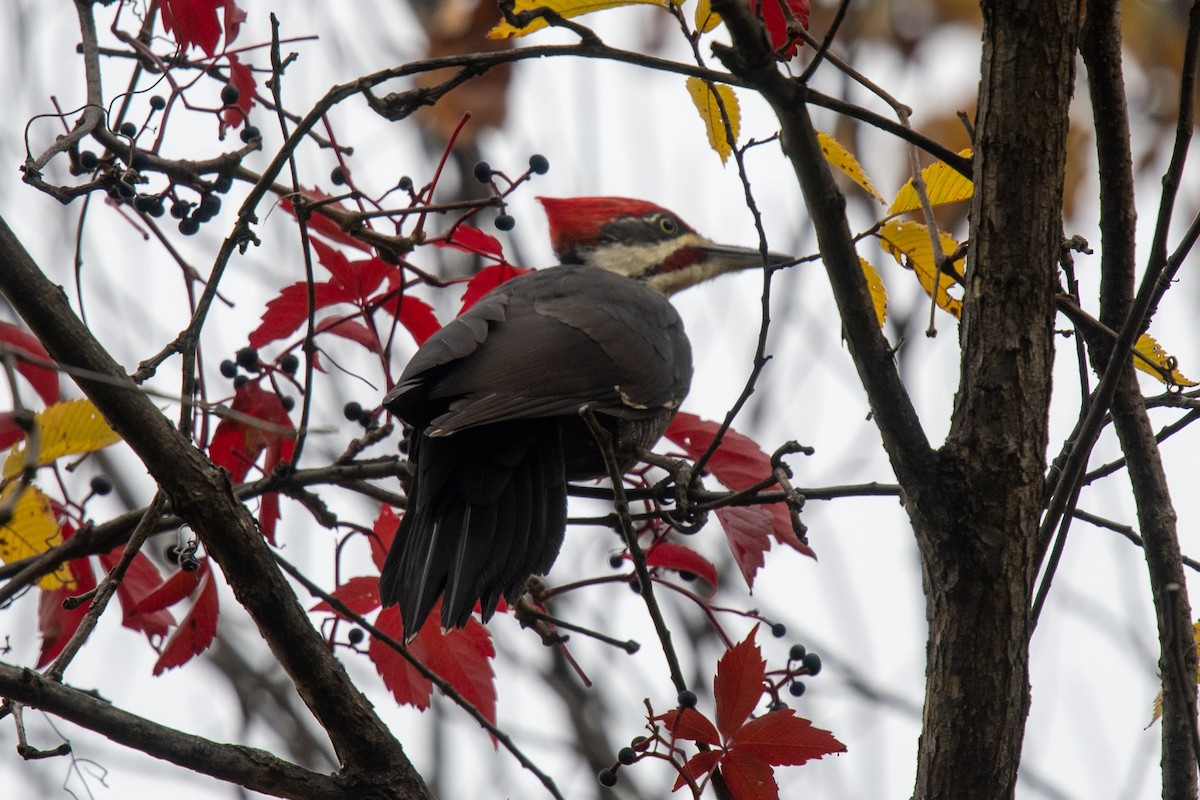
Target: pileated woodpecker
[{"x": 494, "y": 399}]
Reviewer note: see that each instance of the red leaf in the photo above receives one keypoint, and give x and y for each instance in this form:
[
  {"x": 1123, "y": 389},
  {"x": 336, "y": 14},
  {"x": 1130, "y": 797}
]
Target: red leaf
[
  {"x": 141, "y": 578},
  {"x": 748, "y": 777},
  {"x": 193, "y": 22},
  {"x": 746, "y": 530},
  {"x": 236, "y": 444},
  {"x": 56, "y": 623},
  {"x": 473, "y": 240},
  {"x": 242, "y": 77},
  {"x": 287, "y": 311},
  {"x": 234, "y": 17},
  {"x": 197, "y": 630},
  {"x": 460, "y": 657},
  {"x": 487, "y": 279},
  {"x": 415, "y": 315},
  {"x": 671, "y": 555},
  {"x": 407, "y": 685},
  {"x": 689, "y": 724},
  {"x": 43, "y": 379},
  {"x": 783, "y": 739},
  {"x": 351, "y": 329},
  {"x": 739, "y": 463},
  {"x": 386, "y": 525},
  {"x": 359, "y": 279},
  {"x": 323, "y": 225},
  {"x": 361, "y": 595},
  {"x": 175, "y": 588},
  {"x": 10, "y": 431},
  {"x": 738, "y": 685},
  {"x": 697, "y": 767},
  {"x": 772, "y": 16}
]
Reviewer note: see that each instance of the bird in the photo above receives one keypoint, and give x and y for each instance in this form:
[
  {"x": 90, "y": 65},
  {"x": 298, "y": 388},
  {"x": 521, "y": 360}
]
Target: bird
[{"x": 494, "y": 401}]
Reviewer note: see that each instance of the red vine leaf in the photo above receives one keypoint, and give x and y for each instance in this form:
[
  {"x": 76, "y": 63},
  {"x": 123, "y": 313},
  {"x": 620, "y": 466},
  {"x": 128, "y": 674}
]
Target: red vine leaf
[
  {"x": 180, "y": 585},
  {"x": 237, "y": 444},
  {"x": 487, "y": 279},
  {"x": 360, "y": 595},
  {"x": 323, "y": 225},
  {"x": 697, "y": 767},
  {"x": 415, "y": 315},
  {"x": 386, "y": 525},
  {"x": 748, "y": 777},
  {"x": 473, "y": 240},
  {"x": 738, "y": 685},
  {"x": 43, "y": 379},
  {"x": 781, "y": 738},
  {"x": 198, "y": 628},
  {"x": 461, "y": 657},
  {"x": 690, "y": 725},
  {"x": 194, "y": 22},
  {"x": 58, "y": 624},
  {"x": 671, "y": 555},
  {"x": 739, "y": 463},
  {"x": 241, "y": 76},
  {"x": 141, "y": 578},
  {"x": 782, "y": 42}
]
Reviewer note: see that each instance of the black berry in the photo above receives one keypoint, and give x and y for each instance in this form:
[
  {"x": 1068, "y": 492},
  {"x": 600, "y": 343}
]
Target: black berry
[
  {"x": 171, "y": 553},
  {"x": 125, "y": 191},
  {"x": 179, "y": 209},
  {"x": 366, "y": 419},
  {"x": 88, "y": 159},
  {"x": 239, "y": 381},
  {"x": 144, "y": 203},
  {"x": 483, "y": 172},
  {"x": 796, "y": 688},
  {"x": 356, "y": 635},
  {"x": 101, "y": 485},
  {"x": 247, "y": 359},
  {"x": 607, "y": 777},
  {"x": 338, "y": 176},
  {"x": 405, "y": 184},
  {"x": 779, "y": 630},
  {"x": 128, "y": 129},
  {"x": 229, "y": 94},
  {"x": 352, "y": 410},
  {"x": 250, "y": 133},
  {"x": 157, "y": 209},
  {"x": 639, "y": 743},
  {"x": 287, "y": 401},
  {"x": 189, "y": 226},
  {"x": 223, "y": 184},
  {"x": 505, "y": 223},
  {"x": 687, "y": 699},
  {"x": 229, "y": 368},
  {"x": 539, "y": 164},
  {"x": 209, "y": 207},
  {"x": 158, "y": 102},
  {"x": 615, "y": 561},
  {"x": 797, "y": 652},
  {"x": 289, "y": 363},
  {"x": 626, "y": 755},
  {"x": 686, "y": 576},
  {"x": 812, "y": 663}
]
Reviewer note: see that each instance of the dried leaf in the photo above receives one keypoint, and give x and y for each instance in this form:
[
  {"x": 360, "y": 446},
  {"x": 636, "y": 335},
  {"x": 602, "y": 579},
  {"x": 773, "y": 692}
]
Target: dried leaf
[
  {"x": 878, "y": 290},
  {"x": 1150, "y": 358},
  {"x": 943, "y": 184},
  {"x": 844, "y": 160},
  {"x": 31, "y": 529},
  {"x": 72, "y": 427},
  {"x": 908, "y": 242},
  {"x": 714, "y": 112},
  {"x": 564, "y": 8}
]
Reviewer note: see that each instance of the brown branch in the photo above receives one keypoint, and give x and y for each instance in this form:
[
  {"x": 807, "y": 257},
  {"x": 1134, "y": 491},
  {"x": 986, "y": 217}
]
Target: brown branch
[{"x": 254, "y": 769}]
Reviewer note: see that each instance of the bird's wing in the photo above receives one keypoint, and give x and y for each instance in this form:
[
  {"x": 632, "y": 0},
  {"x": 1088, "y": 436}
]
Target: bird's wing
[{"x": 544, "y": 345}]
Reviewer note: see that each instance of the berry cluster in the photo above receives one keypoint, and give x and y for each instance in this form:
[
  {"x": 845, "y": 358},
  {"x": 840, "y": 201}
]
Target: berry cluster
[
  {"x": 246, "y": 359},
  {"x": 354, "y": 412},
  {"x": 538, "y": 165}
]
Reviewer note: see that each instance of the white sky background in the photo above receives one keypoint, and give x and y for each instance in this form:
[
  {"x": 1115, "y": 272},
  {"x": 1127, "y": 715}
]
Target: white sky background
[{"x": 614, "y": 129}]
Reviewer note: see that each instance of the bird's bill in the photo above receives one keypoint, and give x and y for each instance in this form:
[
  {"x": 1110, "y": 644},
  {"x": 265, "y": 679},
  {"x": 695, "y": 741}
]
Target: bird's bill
[{"x": 702, "y": 260}]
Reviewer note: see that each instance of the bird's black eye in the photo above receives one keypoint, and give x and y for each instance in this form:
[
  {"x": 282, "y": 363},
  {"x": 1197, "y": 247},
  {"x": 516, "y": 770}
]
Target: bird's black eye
[{"x": 668, "y": 225}]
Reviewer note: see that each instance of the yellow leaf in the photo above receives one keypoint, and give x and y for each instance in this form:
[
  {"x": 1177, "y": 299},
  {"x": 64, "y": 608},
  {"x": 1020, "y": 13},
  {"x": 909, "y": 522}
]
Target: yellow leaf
[
  {"x": 566, "y": 9},
  {"x": 844, "y": 160},
  {"x": 942, "y": 183},
  {"x": 1158, "y": 698},
  {"x": 705, "y": 98},
  {"x": 67, "y": 428},
  {"x": 32, "y": 529},
  {"x": 706, "y": 18},
  {"x": 1149, "y": 357},
  {"x": 878, "y": 290},
  {"x": 909, "y": 244}
]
